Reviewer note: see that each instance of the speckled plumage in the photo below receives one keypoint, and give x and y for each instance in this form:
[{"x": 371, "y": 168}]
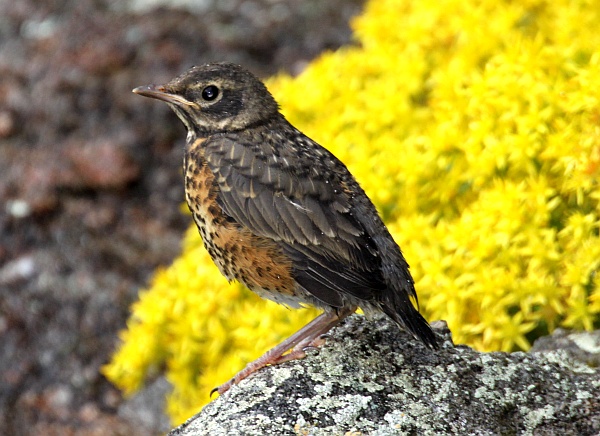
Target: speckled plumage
[{"x": 280, "y": 213}]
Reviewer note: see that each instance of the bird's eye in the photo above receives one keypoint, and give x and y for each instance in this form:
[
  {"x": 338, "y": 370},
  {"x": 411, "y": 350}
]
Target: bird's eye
[{"x": 210, "y": 93}]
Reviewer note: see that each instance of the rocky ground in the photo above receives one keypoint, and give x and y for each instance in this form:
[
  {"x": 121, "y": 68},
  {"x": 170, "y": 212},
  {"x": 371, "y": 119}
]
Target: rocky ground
[
  {"x": 373, "y": 379},
  {"x": 90, "y": 183}
]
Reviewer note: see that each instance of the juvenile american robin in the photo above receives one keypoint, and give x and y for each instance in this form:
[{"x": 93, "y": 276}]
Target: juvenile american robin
[{"x": 280, "y": 213}]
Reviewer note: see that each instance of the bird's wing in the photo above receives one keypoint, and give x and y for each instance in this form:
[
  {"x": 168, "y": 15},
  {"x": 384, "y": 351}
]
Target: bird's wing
[{"x": 286, "y": 196}]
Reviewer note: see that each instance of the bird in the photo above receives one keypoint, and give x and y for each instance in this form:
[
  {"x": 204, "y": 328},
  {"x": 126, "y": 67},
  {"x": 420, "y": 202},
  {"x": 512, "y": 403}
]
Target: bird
[{"x": 281, "y": 214}]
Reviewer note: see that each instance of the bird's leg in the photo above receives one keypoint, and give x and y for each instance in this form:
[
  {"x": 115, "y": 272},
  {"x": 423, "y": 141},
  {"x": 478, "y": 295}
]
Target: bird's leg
[
  {"x": 315, "y": 340},
  {"x": 308, "y": 336}
]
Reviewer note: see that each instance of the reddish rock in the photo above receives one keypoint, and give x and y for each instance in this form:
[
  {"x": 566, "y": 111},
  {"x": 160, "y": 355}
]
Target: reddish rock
[{"x": 102, "y": 164}]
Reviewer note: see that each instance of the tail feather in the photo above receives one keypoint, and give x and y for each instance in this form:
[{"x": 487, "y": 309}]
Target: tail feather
[{"x": 408, "y": 318}]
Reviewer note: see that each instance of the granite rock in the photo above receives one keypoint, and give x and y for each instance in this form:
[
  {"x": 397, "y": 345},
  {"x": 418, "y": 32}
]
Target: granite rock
[{"x": 371, "y": 378}]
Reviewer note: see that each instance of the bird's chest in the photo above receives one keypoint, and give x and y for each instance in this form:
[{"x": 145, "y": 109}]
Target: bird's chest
[
  {"x": 239, "y": 254},
  {"x": 201, "y": 196}
]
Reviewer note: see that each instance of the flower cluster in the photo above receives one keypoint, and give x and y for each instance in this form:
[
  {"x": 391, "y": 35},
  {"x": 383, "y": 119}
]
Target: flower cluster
[{"x": 474, "y": 126}]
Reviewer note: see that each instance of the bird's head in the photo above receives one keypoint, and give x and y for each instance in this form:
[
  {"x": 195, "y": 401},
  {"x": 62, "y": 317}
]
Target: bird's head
[{"x": 217, "y": 97}]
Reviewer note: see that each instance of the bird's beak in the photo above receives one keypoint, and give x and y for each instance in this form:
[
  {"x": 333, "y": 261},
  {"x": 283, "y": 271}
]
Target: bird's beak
[{"x": 159, "y": 92}]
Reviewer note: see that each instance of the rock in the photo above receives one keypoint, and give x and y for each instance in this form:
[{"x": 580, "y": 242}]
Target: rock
[
  {"x": 371, "y": 378},
  {"x": 146, "y": 408},
  {"x": 581, "y": 346},
  {"x": 101, "y": 164}
]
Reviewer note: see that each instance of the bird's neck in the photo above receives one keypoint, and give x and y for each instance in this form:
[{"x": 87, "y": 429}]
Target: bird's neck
[
  {"x": 197, "y": 132},
  {"x": 194, "y": 133},
  {"x": 191, "y": 136}
]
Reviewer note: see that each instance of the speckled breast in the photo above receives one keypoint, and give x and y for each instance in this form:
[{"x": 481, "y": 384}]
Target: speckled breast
[{"x": 255, "y": 261}]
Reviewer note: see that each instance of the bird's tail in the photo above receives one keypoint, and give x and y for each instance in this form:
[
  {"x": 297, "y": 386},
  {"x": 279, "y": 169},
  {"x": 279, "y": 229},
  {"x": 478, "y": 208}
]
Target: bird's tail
[
  {"x": 396, "y": 301},
  {"x": 409, "y": 318}
]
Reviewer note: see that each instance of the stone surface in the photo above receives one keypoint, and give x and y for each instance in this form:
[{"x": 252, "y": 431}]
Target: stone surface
[
  {"x": 371, "y": 378},
  {"x": 581, "y": 346}
]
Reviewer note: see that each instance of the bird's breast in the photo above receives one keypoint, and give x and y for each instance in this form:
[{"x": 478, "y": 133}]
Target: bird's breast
[{"x": 255, "y": 261}]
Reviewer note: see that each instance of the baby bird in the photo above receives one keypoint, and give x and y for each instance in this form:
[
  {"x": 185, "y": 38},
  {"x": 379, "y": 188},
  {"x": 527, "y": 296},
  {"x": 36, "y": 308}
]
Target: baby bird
[{"x": 280, "y": 213}]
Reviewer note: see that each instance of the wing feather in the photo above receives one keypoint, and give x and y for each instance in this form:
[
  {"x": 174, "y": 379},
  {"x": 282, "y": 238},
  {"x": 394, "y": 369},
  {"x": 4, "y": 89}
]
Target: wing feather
[{"x": 285, "y": 198}]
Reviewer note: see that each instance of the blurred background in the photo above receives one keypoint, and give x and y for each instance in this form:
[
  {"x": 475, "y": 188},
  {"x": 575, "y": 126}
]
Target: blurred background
[{"x": 90, "y": 182}]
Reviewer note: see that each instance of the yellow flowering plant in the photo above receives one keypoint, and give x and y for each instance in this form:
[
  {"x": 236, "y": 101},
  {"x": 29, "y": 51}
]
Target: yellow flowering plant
[{"x": 474, "y": 126}]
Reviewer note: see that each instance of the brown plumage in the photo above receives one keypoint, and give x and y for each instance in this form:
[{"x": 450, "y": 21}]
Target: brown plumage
[{"x": 280, "y": 213}]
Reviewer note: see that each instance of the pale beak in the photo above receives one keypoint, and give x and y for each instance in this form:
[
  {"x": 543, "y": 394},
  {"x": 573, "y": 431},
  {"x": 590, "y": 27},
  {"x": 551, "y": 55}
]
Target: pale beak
[{"x": 160, "y": 93}]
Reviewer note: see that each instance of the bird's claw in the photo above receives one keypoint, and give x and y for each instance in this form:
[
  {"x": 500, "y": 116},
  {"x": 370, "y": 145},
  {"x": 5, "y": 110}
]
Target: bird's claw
[
  {"x": 311, "y": 349},
  {"x": 223, "y": 388}
]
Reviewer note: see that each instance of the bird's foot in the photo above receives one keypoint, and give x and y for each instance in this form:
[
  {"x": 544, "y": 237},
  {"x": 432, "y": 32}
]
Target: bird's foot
[
  {"x": 311, "y": 336},
  {"x": 299, "y": 351}
]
